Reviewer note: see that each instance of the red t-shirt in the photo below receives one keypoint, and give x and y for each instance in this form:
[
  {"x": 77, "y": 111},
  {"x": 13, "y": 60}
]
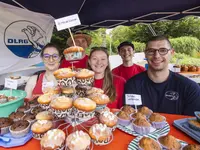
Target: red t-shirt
[
  {"x": 38, "y": 87},
  {"x": 127, "y": 72},
  {"x": 82, "y": 63},
  {"x": 119, "y": 85}
]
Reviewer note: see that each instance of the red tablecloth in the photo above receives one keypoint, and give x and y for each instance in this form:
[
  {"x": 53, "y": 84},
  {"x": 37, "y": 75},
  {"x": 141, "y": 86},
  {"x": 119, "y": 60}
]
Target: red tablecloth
[{"x": 121, "y": 139}]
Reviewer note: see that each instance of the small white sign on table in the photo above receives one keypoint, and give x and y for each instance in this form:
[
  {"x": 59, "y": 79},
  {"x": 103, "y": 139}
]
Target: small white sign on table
[
  {"x": 133, "y": 99},
  {"x": 67, "y": 22},
  {"x": 10, "y": 83}
]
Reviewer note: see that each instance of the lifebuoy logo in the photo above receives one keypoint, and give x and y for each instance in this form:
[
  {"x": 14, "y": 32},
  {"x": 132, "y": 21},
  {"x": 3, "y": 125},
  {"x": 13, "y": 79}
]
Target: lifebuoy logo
[
  {"x": 172, "y": 95},
  {"x": 24, "y": 38}
]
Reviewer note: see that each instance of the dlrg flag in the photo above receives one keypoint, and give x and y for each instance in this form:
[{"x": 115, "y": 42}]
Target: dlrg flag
[{"x": 23, "y": 33}]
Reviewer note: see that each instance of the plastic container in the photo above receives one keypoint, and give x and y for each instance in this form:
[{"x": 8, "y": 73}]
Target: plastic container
[{"x": 7, "y": 108}]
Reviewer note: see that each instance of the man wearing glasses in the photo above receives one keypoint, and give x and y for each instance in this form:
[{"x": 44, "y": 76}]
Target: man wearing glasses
[{"x": 160, "y": 89}]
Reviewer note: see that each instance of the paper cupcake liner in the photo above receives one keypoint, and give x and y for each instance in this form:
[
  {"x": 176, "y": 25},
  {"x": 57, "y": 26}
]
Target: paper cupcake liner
[
  {"x": 140, "y": 148},
  {"x": 62, "y": 147},
  {"x": 25, "y": 111},
  {"x": 3, "y": 101},
  {"x": 100, "y": 107},
  {"x": 85, "y": 82},
  {"x": 165, "y": 147},
  {"x": 123, "y": 122},
  {"x": 21, "y": 133},
  {"x": 104, "y": 142},
  {"x": 141, "y": 130},
  {"x": 45, "y": 106},
  {"x": 73, "y": 56},
  {"x": 66, "y": 82},
  {"x": 59, "y": 114},
  {"x": 38, "y": 136},
  {"x": 81, "y": 93},
  {"x": 4, "y": 130},
  {"x": 71, "y": 95},
  {"x": 82, "y": 114},
  {"x": 158, "y": 125},
  {"x": 88, "y": 148}
]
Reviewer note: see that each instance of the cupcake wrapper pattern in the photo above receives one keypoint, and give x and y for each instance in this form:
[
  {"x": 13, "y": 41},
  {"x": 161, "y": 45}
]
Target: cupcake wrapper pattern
[
  {"x": 66, "y": 82},
  {"x": 105, "y": 142},
  {"x": 81, "y": 93},
  {"x": 21, "y": 133},
  {"x": 38, "y": 136},
  {"x": 141, "y": 130},
  {"x": 85, "y": 82},
  {"x": 68, "y": 95},
  {"x": 62, "y": 147},
  {"x": 45, "y": 106},
  {"x": 82, "y": 114},
  {"x": 59, "y": 114},
  {"x": 88, "y": 148}
]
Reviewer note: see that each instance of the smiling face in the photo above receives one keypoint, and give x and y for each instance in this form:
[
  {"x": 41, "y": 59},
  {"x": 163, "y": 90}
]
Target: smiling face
[
  {"x": 159, "y": 62},
  {"x": 98, "y": 61},
  {"x": 51, "y": 58},
  {"x": 126, "y": 53}
]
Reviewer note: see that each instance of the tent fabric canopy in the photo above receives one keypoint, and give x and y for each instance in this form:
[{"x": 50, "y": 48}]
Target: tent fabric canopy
[{"x": 95, "y": 14}]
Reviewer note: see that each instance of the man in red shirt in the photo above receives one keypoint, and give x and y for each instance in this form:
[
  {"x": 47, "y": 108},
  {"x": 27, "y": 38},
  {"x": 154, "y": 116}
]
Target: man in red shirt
[
  {"x": 83, "y": 40},
  {"x": 128, "y": 69}
]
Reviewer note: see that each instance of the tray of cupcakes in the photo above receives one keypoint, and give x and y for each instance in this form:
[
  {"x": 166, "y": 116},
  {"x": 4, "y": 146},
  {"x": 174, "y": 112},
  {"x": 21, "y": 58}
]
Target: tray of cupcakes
[
  {"x": 190, "y": 126},
  {"x": 156, "y": 142},
  {"x": 142, "y": 122}
]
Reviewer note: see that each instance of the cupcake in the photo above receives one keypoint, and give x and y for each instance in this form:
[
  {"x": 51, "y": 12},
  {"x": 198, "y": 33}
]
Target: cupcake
[
  {"x": 141, "y": 126},
  {"x": 20, "y": 128},
  {"x": 147, "y": 143},
  {"x": 137, "y": 115},
  {"x": 94, "y": 90},
  {"x": 85, "y": 77},
  {"x": 146, "y": 111},
  {"x": 11, "y": 98},
  {"x": 100, "y": 134},
  {"x": 109, "y": 119},
  {"x": 61, "y": 106},
  {"x": 5, "y": 123},
  {"x": 3, "y": 99},
  {"x": 68, "y": 92},
  {"x": 15, "y": 116},
  {"x": 78, "y": 140},
  {"x": 53, "y": 140},
  {"x": 65, "y": 77},
  {"x": 194, "y": 124},
  {"x": 169, "y": 142},
  {"x": 40, "y": 127},
  {"x": 36, "y": 110},
  {"x": 84, "y": 108},
  {"x": 29, "y": 117},
  {"x": 128, "y": 109},
  {"x": 100, "y": 99},
  {"x": 44, "y": 115},
  {"x": 73, "y": 53},
  {"x": 157, "y": 120},
  {"x": 123, "y": 118},
  {"x": 24, "y": 109},
  {"x": 33, "y": 103},
  {"x": 44, "y": 100},
  {"x": 81, "y": 91},
  {"x": 191, "y": 147}
]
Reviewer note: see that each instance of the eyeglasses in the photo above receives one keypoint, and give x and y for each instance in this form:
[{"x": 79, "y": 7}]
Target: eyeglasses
[
  {"x": 161, "y": 51},
  {"x": 48, "y": 56}
]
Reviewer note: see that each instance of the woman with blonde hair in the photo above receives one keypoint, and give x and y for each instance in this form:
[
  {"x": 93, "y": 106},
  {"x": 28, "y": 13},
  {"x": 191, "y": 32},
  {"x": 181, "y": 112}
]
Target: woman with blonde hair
[{"x": 112, "y": 85}]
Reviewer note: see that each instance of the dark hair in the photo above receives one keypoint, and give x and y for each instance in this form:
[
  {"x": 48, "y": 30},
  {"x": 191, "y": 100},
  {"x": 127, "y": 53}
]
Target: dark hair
[
  {"x": 159, "y": 38},
  {"x": 125, "y": 43},
  {"x": 51, "y": 45},
  {"x": 108, "y": 86}
]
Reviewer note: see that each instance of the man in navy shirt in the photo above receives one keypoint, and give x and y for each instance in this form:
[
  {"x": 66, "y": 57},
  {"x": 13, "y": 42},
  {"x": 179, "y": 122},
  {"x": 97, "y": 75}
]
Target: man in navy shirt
[{"x": 160, "y": 89}]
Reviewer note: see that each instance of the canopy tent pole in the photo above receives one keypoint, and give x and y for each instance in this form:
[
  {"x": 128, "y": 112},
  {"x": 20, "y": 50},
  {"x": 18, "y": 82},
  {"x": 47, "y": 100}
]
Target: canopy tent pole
[
  {"x": 152, "y": 30},
  {"x": 81, "y": 6},
  {"x": 19, "y": 4}
]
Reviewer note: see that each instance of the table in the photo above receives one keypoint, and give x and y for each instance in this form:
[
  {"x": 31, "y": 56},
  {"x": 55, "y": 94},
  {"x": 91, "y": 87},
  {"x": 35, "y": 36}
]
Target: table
[{"x": 121, "y": 139}]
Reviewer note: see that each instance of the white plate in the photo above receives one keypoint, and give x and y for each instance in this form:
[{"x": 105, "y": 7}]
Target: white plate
[
  {"x": 128, "y": 129},
  {"x": 134, "y": 144}
]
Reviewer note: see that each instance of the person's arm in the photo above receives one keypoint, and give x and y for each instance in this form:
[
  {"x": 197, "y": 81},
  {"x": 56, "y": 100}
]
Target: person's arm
[
  {"x": 192, "y": 99},
  {"x": 30, "y": 85}
]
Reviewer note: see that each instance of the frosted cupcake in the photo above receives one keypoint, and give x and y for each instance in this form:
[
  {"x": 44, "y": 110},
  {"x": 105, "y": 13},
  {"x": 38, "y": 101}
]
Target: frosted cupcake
[
  {"x": 73, "y": 53},
  {"x": 78, "y": 140},
  {"x": 44, "y": 100},
  {"x": 53, "y": 140},
  {"x": 85, "y": 77}
]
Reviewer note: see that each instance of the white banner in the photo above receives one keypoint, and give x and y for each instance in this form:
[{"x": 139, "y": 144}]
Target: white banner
[{"x": 23, "y": 33}]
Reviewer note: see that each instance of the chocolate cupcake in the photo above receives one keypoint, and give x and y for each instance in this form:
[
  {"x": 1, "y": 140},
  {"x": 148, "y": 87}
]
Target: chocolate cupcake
[
  {"x": 5, "y": 123},
  {"x": 20, "y": 128},
  {"x": 34, "y": 103},
  {"x": 29, "y": 117},
  {"x": 24, "y": 109},
  {"x": 36, "y": 110},
  {"x": 15, "y": 116}
]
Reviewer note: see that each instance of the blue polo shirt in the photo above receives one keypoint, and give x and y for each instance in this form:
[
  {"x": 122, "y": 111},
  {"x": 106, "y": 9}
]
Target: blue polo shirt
[{"x": 176, "y": 95}]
